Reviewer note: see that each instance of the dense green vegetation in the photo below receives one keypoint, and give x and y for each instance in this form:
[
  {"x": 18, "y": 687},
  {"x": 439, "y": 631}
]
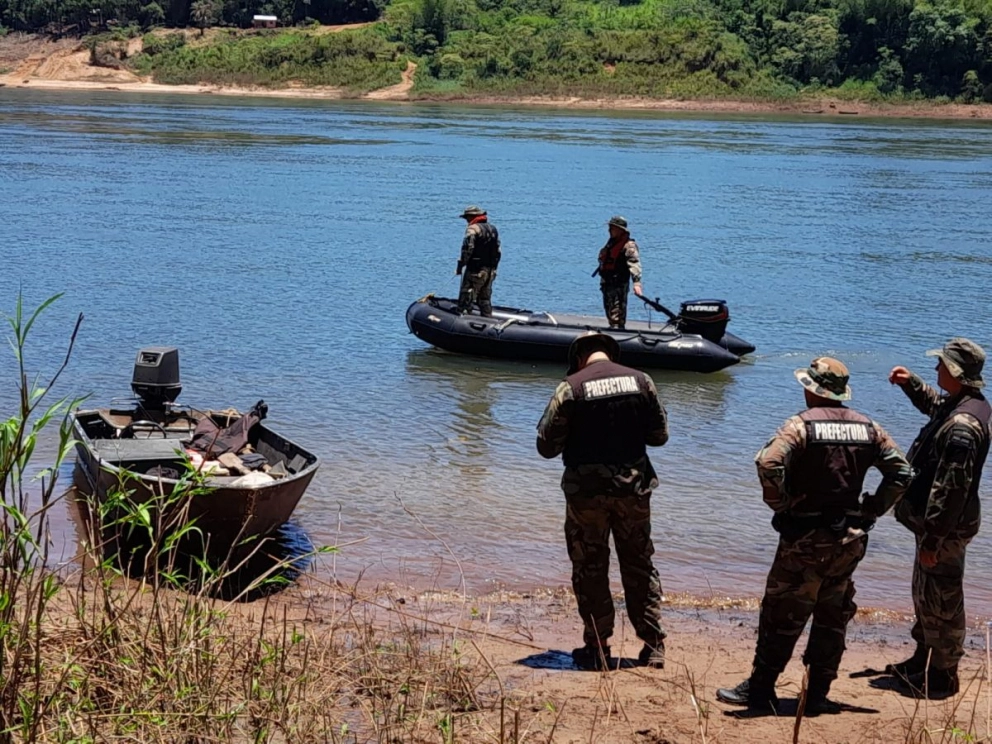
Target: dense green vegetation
[
  {"x": 867, "y": 49},
  {"x": 361, "y": 60}
]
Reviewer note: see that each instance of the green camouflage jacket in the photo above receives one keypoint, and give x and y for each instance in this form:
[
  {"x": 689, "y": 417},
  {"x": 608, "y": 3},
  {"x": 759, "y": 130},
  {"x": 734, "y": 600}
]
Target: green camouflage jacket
[{"x": 949, "y": 511}]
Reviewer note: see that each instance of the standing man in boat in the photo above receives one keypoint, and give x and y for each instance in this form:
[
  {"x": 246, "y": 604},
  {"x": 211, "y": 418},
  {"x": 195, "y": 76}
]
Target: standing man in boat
[
  {"x": 479, "y": 260},
  {"x": 601, "y": 420},
  {"x": 619, "y": 263},
  {"x": 811, "y": 473},
  {"x": 942, "y": 510}
]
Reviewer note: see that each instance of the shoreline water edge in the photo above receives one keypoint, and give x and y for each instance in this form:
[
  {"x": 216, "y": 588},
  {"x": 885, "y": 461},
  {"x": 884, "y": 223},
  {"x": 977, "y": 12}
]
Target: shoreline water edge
[{"x": 812, "y": 109}]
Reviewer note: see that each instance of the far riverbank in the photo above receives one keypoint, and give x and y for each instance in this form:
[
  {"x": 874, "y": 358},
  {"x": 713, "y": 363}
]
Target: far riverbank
[{"x": 33, "y": 62}]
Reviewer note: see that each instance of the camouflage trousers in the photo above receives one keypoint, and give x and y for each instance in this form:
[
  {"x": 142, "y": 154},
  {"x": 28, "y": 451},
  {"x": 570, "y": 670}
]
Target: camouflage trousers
[
  {"x": 589, "y": 520},
  {"x": 811, "y": 576},
  {"x": 477, "y": 288},
  {"x": 938, "y": 598},
  {"x": 615, "y": 303}
]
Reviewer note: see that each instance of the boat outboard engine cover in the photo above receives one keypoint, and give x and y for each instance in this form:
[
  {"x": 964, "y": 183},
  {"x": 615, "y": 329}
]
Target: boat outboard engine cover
[
  {"x": 156, "y": 376},
  {"x": 708, "y": 318}
]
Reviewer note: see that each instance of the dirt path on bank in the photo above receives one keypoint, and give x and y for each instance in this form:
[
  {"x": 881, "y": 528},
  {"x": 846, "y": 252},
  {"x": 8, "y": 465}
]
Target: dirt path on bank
[{"x": 398, "y": 92}]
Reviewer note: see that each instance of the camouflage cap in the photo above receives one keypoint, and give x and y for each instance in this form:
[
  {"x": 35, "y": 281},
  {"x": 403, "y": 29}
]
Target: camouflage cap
[
  {"x": 587, "y": 342},
  {"x": 826, "y": 377},
  {"x": 472, "y": 211},
  {"x": 618, "y": 221},
  {"x": 964, "y": 359}
]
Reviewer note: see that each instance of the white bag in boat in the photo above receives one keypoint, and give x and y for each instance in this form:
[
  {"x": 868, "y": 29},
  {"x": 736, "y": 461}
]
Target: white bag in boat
[
  {"x": 252, "y": 480},
  {"x": 213, "y": 467}
]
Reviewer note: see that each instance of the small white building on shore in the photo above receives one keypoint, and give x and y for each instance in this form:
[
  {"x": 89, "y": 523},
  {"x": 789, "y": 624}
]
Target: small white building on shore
[{"x": 264, "y": 21}]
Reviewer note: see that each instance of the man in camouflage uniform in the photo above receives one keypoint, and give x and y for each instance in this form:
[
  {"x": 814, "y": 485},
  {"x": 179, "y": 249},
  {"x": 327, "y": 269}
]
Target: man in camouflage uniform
[
  {"x": 942, "y": 509},
  {"x": 811, "y": 473},
  {"x": 601, "y": 420},
  {"x": 619, "y": 263},
  {"x": 479, "y": 260}
]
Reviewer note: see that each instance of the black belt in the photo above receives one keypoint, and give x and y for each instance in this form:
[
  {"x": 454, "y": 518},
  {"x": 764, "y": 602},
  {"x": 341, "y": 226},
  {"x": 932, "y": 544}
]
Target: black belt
[{"x": 795, "y": 526}]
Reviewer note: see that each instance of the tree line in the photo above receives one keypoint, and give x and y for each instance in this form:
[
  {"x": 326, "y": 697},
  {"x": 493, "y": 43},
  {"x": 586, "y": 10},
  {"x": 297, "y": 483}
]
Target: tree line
[{"x": 83, "y": 16}]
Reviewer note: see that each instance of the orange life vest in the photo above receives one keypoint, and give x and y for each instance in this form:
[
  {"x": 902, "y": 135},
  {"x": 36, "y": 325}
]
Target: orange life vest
[{"x": 610, "y": 263}]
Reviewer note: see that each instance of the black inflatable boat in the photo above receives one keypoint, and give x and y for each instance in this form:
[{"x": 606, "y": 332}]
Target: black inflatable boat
[{"x": 695, "y": 340}]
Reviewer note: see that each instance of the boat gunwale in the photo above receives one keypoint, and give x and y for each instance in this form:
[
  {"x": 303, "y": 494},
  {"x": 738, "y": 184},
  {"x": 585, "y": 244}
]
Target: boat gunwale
[
  {"x": 666, "y": 330},
  {"x": 621, "y": 335},
  {"x": 84, "y": 440}
]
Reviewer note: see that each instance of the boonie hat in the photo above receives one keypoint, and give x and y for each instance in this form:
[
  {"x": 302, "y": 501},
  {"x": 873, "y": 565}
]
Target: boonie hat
[
  {"x": 964, "y": 359},
  {"x": 473, "y": 211},
  {"x": 618, "y": 221},
  {"x": 826, "y": 377},
  {"x": 582, "y": 344}
]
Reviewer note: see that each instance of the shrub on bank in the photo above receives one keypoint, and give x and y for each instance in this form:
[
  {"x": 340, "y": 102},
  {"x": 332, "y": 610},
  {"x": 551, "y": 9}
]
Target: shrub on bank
[
  {"x": 152, "y": 44},
  {"x": 359, "y": 61}
]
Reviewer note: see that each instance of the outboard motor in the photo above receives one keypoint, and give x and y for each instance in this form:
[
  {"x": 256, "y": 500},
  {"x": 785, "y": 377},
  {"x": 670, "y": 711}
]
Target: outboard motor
[
  {"x": 156, "y": 376},
  {"x": 708, "y": 318}
]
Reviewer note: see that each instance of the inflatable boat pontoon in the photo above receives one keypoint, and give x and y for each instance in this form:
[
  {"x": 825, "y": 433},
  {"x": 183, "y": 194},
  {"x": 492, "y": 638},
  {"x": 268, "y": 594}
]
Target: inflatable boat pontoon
[{"x": 694, "y": 340}]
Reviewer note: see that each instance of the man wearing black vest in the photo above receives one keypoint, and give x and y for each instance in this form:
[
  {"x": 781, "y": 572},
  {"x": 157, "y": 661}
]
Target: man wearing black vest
[
  {"x": 479, "y": 260},
  {"x": 619, "y": 263},
  {"x": 811, "y": 473},
  {"x": 942, "y": 510},
  {"x": 601, "y": 420}
]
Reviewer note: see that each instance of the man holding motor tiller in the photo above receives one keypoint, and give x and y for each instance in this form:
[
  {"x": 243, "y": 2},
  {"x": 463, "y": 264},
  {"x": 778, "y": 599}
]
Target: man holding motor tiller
[{"x": 619, "y": 263}]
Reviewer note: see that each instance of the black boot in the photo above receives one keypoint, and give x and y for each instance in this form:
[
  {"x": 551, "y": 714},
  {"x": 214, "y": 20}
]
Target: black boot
[
  {"x": 934, "y": 684},
  {"x": 652, "y": 655},
  {"x": 915, "y": 664},
  {"x": 739, "y": 695},
  {"x": 592, "y": 657},
  {"x": 817, "y": 702},
  {"x": 757, "y": 692}
]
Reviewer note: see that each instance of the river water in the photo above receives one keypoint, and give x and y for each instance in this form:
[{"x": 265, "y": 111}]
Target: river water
[{"x": 278, "y": 244}]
